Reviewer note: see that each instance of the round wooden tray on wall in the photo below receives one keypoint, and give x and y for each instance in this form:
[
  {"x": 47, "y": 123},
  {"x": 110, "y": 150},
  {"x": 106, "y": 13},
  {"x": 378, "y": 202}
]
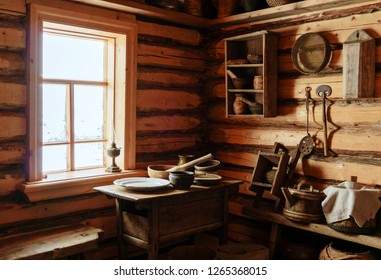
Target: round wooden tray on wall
[{"x": 311, "y": 53}]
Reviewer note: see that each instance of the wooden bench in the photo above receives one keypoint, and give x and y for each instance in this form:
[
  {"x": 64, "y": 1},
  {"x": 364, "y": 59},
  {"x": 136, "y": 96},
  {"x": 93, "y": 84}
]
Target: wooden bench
[
  {"x": 277, "y": 220},
  {"x": 53, "y": 243}
]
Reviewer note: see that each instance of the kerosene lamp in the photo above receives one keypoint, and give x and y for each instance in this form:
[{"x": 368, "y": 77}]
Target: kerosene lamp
[{"x": 113, "y": 152}]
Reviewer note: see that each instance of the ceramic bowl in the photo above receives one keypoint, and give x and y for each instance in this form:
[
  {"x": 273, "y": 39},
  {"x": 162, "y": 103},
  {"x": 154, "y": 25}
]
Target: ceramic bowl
[
  {"x": 158, "y": 171},
  {"x": 181, "y": 180}
]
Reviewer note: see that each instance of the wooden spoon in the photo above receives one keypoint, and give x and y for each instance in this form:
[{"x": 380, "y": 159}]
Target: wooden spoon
[{"x": 191, "y": 163}]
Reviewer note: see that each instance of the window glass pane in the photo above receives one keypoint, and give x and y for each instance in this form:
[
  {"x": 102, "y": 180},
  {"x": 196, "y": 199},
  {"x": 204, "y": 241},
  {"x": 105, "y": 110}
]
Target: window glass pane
[
  {"x": 76, "y": 58},
  {"x": 54, "y": 120},
  {"x": 89, "y": 155},
  {"x": 89, "y": 115},
  {"x": 54, "y": 158}
]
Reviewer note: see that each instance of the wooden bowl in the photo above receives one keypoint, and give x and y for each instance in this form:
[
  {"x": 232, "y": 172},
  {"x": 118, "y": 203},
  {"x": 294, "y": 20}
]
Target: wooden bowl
[
  {"x": 210, "y": 165},
  {"x": 207, "y": 179},
  {"x": 240, "y": 83},
  {"x": 158, "y": 171}
]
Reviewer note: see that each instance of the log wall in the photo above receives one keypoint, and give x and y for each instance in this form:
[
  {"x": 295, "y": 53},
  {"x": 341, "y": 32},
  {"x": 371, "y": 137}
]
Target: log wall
[
  {"x": 170, "y": 120},
  {"x": 353, "y": 124},
  {"x": 181, "y": 109}
]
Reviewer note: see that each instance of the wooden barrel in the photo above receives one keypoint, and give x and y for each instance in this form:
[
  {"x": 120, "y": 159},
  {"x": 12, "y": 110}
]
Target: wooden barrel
[{"x": 340, "y": 250}]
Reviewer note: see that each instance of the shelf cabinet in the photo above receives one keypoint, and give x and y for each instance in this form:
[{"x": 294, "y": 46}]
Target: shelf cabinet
[{"x": 251, "y": 75}]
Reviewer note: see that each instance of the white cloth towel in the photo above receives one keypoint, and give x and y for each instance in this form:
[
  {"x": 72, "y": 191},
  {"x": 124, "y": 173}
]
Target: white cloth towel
[{"x": 351, "y": 199}]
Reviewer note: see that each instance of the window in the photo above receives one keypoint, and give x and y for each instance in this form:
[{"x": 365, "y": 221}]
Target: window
[
  {"x": 82, "y": 89},
  {"x": 75, "y": 90}
]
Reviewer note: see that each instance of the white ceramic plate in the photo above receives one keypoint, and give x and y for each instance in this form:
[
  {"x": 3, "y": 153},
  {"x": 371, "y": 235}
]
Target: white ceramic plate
[{"x": 142, "y": 184}]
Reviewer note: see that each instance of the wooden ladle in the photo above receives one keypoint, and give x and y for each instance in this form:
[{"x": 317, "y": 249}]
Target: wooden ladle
[
  {"x": 306, "y": 145},
  {"x": 191, "y": 163}
]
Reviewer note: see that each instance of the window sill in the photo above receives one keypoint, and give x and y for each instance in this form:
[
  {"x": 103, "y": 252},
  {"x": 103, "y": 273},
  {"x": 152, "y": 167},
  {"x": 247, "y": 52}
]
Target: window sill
[{"x": 76, "y": 183}]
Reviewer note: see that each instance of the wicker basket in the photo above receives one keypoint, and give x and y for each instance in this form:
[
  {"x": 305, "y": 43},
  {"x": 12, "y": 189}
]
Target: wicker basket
[
  {"x": 274, "y": 3},
  {"x": 255, "y": 58}
]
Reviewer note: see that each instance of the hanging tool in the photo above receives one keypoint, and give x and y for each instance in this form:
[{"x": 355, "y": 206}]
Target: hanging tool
[
  {"x": 324, "y": 91},
  {"x": 306, "y": 145}
]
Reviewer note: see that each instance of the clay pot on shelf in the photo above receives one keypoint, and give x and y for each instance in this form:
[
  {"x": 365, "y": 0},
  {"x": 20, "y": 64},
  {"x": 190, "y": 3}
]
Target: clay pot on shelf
[
  {"x": 258, "y": 82},
  {"x": 254, "y": 107},
  {"x": 239, "y": 107},
  {"x": 240, "y": 83}
]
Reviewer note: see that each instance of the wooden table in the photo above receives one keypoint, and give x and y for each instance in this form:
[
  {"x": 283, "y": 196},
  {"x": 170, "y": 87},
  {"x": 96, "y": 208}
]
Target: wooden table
[{"x": 150, "y": 219}]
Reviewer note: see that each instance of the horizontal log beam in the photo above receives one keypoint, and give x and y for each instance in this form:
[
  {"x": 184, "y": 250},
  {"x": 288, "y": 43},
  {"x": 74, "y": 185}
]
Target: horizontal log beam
[
  {"x": 150, "y": 11},
  {"x": 292, "y": 9}
]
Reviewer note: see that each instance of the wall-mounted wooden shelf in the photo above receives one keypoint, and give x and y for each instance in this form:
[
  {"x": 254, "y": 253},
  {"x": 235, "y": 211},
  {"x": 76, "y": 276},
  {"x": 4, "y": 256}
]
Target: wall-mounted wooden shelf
[
  {"x": 287, "y": 10},
  {"x": 292, "y": 9},
  {"x": 263, "y": 45}
]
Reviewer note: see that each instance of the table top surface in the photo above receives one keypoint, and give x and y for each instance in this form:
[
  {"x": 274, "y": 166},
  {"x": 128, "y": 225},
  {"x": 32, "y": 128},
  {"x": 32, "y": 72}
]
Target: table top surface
[{"x": 122, "y": 193}]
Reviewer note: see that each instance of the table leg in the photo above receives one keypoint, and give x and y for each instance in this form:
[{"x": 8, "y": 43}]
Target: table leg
[
  {"x": 274, "y": 238},
  {"x": 119, "y": 223},
  {"x": 224, "y": 234},
  {"x": 153, "y": 246}
]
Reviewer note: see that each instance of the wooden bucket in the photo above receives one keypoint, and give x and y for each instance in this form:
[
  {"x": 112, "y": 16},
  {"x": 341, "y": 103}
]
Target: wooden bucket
[
  {"x": 345, "y": 251},
  {"x": 303, "y": 205}
]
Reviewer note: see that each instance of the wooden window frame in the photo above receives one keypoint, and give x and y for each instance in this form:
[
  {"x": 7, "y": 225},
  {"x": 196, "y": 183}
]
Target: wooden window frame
[{"x": 81, "y": 16}]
